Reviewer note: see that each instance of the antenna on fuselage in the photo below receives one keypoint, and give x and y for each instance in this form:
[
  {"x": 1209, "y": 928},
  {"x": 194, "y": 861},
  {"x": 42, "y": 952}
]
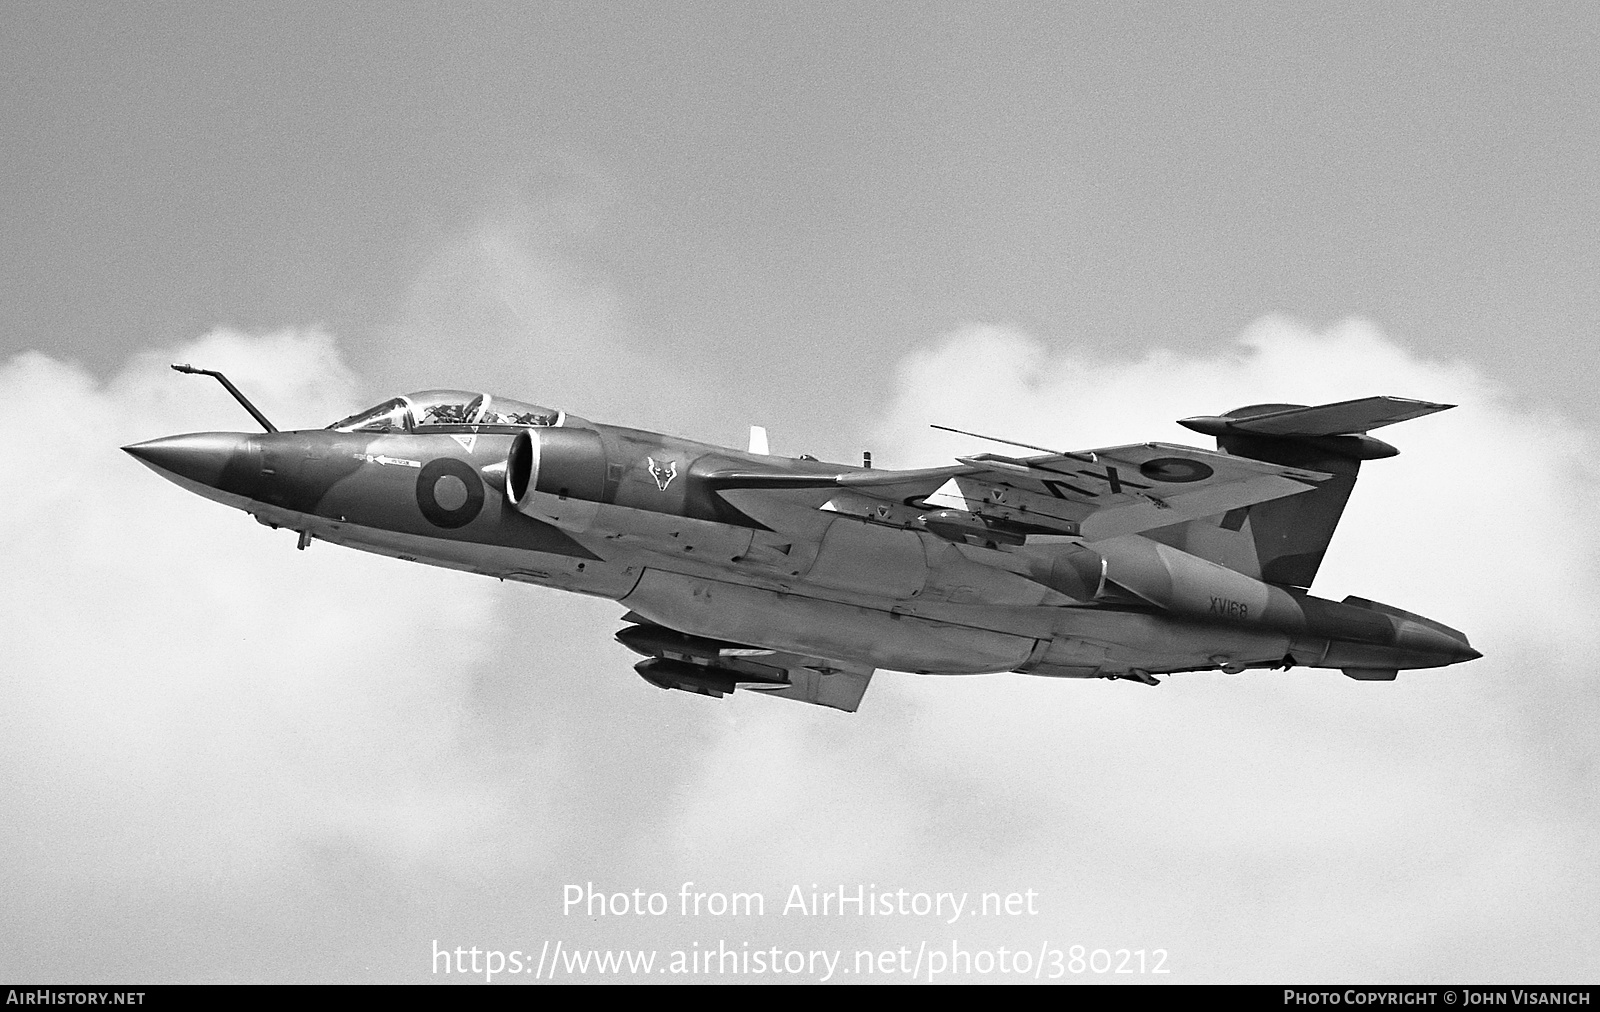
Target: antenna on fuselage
[
  {"x": 1087, "y": 458},
  {"x": 241, "y": 398}
]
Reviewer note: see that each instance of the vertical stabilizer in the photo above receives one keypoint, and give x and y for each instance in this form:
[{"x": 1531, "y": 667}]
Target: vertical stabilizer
[{"x": 1291, "y": 534}]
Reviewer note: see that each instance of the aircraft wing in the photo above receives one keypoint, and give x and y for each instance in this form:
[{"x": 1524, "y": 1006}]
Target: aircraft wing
[
  {"x": 1106, "y": 493},
  {"x": 1093, "y": 495}
]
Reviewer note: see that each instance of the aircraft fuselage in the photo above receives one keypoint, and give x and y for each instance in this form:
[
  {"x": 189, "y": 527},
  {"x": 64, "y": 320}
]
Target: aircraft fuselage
[{"x": 655, "y": 523}]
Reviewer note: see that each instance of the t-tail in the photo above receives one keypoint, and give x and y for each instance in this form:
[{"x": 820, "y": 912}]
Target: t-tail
[{"x": 1291, "y": 535}]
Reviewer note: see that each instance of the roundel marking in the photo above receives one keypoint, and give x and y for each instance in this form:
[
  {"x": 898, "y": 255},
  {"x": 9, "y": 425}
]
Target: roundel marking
[
  {"x": 449, "y": 493},
  {"x": 1175, "y": 469}
]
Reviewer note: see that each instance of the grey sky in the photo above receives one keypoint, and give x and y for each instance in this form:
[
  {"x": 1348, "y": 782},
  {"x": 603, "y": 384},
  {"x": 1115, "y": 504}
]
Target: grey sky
[
  {"x": 223, "y": 759},
  {"x": 817, "y": 186}
]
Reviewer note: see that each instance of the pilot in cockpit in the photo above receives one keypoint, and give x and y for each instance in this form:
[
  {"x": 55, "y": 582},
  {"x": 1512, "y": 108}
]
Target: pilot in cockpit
[{"x": 433, "y": 409}]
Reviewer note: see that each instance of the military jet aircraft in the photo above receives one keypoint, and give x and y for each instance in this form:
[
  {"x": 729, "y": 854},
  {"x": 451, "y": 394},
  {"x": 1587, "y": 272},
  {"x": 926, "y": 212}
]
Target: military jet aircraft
[{"x": 799, "y": 578}]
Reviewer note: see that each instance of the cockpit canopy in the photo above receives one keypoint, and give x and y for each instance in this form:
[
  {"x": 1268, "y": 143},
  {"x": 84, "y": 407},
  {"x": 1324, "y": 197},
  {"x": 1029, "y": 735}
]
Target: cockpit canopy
[{"x": 432, "y": 409}]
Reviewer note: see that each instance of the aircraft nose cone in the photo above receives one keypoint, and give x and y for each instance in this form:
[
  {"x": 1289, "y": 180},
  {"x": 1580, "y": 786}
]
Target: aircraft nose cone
[{"x": 199, "y": 457}]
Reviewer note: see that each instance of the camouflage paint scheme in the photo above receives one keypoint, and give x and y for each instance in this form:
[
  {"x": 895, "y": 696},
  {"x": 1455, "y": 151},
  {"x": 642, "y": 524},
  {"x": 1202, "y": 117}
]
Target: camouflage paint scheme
[{"x": 798, "y": 577}]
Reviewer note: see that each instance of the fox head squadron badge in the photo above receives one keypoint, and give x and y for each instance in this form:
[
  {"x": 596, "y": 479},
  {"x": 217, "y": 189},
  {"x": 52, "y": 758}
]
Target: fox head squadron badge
[{"x": 663, "y": 473}]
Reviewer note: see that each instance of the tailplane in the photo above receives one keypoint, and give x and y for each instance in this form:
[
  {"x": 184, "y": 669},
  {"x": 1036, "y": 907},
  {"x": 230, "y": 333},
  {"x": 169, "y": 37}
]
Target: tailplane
[{"x": 1291, "y": 534}]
